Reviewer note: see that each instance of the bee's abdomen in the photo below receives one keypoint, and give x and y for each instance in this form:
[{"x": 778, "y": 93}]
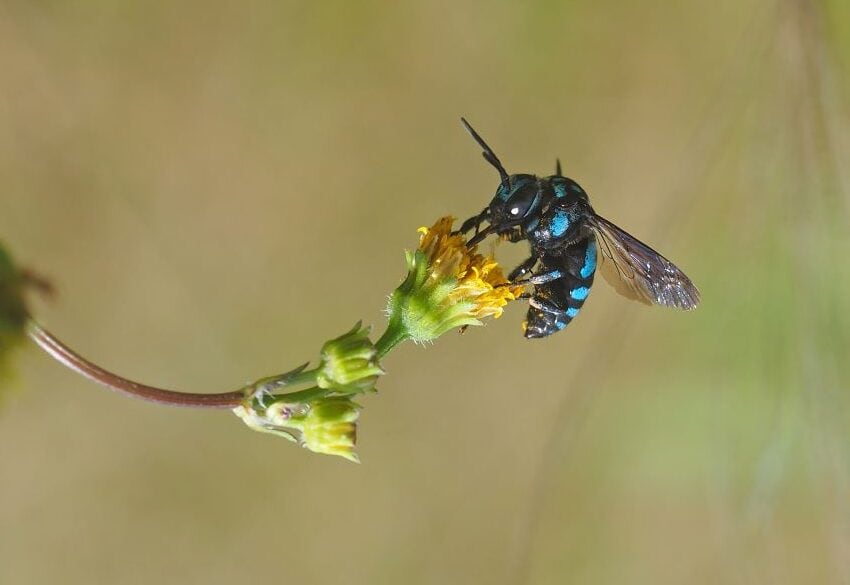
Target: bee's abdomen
[{"x": 556, "y": 303}]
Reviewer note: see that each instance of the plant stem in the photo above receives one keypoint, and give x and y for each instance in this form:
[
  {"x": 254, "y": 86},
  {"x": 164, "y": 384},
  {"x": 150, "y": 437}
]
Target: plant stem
[
  {"x": 394, "y": 335},
  {"x": 70, "y": 359},
  {"x": 308, "y": 395},
  {"x": 299, "y": 376}
]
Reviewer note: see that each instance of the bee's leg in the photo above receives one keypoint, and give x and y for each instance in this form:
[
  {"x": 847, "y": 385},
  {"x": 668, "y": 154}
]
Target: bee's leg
[
  {"x": 474, "y": 222},
  {"x": 538, "y": 278},
  {"x": 522, "y": 269},
  {"x": 515, "y": 236},
  {"x": 544, "y": 277},
  {"x": 546, "y": 306}
]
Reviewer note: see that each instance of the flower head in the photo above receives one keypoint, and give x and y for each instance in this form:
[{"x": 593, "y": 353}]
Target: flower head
[{"x": 448, "y": 286}]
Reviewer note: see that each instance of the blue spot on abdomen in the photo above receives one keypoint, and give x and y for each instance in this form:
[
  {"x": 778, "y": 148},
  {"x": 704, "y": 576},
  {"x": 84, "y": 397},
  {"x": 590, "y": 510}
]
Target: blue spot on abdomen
[
  {"x": 580, "y": 293},
  {"x": 589, "y": 260},
  {"x": 572, "y": 312}
]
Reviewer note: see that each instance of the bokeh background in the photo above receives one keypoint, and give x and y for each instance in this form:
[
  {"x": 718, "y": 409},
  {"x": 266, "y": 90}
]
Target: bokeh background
[{"x": 217, "y": 187}]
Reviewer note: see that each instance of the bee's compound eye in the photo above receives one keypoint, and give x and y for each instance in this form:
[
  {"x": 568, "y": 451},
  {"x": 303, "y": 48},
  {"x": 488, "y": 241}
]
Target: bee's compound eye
[{"x": 522, "y": 201}]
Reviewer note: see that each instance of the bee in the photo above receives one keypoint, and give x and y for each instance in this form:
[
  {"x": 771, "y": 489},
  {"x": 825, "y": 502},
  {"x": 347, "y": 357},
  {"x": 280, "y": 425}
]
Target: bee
[{"x": 567, "y": 239}]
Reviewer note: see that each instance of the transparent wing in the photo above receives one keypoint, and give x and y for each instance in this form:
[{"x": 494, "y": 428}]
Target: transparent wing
[{"x": 638, "y": 272}]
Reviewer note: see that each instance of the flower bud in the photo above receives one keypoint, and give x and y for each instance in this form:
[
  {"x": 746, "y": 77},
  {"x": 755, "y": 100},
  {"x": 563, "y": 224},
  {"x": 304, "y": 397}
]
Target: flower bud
[
  {"x": 326, "y": 425},
  {"x": 330, "y": 427},
  {"x": 349, "y": 363}
]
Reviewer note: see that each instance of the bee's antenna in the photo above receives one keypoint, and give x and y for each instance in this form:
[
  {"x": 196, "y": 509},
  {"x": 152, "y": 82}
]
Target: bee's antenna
[
  {"x": 489, "y": 155},
  {"x": 558, "y": 168}
]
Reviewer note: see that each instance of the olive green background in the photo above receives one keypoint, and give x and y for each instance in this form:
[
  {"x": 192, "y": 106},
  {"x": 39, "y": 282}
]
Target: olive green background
[{"x": 216, "y": 188}]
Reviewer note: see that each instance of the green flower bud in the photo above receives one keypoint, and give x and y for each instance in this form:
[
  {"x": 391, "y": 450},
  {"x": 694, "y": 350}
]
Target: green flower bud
[
  {"x": 326, "y": 425},
  {"x": 349, "y": 363},
  {"x": 330, "y": 427}
]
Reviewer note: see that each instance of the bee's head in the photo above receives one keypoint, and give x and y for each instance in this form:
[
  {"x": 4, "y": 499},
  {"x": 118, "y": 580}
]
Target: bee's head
[
  {"x": 518, "y": 197},
  {"x": 516, "y": 201}
]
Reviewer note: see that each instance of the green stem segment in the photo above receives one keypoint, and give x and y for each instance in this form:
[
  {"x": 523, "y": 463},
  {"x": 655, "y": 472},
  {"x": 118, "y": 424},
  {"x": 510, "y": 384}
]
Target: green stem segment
[
  {"x": 304, "y": 396},
  {"x": 70, "y": 359},
  {"x": 297, "y": 377},
  {"x": 394, "y": 335}
]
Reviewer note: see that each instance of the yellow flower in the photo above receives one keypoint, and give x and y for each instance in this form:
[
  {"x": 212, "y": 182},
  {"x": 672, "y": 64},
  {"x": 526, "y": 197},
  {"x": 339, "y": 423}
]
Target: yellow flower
[
  {"x": 448, "y": 286},
  {"x": 479, "y": 278}
]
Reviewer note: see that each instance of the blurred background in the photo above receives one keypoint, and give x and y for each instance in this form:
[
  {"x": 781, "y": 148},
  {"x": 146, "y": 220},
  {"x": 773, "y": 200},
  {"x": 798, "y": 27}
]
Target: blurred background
[{"x": 215, "y": 188}]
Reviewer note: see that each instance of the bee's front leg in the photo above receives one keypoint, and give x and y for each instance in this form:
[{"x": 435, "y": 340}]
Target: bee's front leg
[{"x": 475, "y": 222}]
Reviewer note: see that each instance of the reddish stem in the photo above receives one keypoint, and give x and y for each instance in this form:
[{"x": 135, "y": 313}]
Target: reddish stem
[{"x": 67, "y": 357}]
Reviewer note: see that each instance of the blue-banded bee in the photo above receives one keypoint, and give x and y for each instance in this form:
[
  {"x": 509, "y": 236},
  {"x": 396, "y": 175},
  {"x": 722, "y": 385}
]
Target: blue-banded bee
[{"x": 567, "y": 237}]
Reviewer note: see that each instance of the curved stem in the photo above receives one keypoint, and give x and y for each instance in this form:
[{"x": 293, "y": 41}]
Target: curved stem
[{"x": 70, "y": 359}]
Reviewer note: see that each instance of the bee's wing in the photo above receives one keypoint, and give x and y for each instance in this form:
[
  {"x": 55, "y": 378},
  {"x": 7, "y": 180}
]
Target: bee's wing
[{"x": 640, "y": 273}]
